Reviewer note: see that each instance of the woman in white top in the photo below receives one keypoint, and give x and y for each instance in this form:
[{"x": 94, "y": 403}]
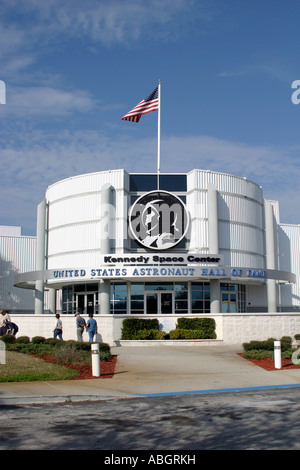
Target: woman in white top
[
  {"x": 3, "y": 317},
  {"x": 58, "y": 327}
]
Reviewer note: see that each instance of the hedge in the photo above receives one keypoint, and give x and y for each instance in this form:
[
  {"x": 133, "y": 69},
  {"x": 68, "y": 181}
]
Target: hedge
[
  {"x": 181, "y": 333},
  {"x": 132, "y": 326},
  {"x": 196, "y": 323},
  {"x": 187, "y": 328},
  {"x": 41, "y": 345},
  {"x": 268, "y": 344}
]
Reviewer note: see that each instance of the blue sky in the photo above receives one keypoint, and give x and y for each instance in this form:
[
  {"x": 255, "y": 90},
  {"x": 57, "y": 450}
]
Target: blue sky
[{"x": 72, "y": 69}]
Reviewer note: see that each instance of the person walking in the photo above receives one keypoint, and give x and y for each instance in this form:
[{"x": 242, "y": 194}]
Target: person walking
[
  {"x": 80, "y": 325},
  {"x": 91, "y": 327},
  {"x": 58, "y": 327}
]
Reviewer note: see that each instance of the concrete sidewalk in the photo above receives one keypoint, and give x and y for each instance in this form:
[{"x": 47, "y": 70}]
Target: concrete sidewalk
[{"x": 147, "y": 371}]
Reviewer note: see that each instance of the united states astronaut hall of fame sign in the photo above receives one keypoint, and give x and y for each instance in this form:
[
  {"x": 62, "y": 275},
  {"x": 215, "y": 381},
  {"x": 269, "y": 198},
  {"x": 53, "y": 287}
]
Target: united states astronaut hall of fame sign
[{"x": 158, "y": 220}]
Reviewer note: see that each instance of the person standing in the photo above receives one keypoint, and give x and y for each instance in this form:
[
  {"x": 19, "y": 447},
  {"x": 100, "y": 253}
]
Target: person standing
[
  {"x": 91, "y": 327},
  {"x": 80, "y": 325},
  {"x": 58, "y": 327}
]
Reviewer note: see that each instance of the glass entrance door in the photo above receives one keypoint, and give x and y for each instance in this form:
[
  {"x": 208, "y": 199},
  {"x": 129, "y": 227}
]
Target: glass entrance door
[
  {"x": 152, "y": 302},
  {"x": 166, "y": 302},
  {"x": 229, "y": 302},
  {"x": 90, "y": 303},
  {"x": 159, "y": 302},
  {"x": 85, "y": 303}
]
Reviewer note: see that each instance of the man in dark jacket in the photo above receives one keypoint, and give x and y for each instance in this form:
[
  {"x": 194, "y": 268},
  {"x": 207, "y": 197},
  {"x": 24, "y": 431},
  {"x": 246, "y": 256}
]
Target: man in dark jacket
[
  {"x": 12, "y": 328},
  {"x": 80, "y": 325}
]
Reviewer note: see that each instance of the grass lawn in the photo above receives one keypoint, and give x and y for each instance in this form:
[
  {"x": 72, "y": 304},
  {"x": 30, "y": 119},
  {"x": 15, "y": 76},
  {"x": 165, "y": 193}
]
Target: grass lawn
[{"x": 23, "y": 368}]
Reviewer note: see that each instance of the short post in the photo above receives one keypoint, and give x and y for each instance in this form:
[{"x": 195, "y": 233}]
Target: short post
[
  {"x": 2, "y": 352},
  {"x": 95, "y": 359},
  {"x": 277, "y": 354}
]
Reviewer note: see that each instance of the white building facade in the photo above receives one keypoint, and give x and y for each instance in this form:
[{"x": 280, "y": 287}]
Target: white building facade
[{"x": 198, "y": 244}]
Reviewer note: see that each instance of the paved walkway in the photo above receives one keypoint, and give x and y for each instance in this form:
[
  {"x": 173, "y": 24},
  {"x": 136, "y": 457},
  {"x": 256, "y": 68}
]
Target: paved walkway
[{"x": 159, "y": 370}]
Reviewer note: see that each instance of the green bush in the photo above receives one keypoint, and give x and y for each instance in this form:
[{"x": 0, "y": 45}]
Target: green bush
[
  {"x": 194, "y": 328},
  {"x": 258, "y": 354},
  {"x": 268, "y": 345},
  {"x": 51, "y": 342},
  {"x": 23, "y": 339},
  {"x": 131, "y": 326},
  {"x": 181, "y": 333},
  {"x": 38, "y": 340},
  {"x": 8, "y": 339},
  {"x": 150, "y": 334},
  {"x": 52, "y": 346},
  {"x": 85, "y": 346},
  {"x": 196, "y": 324},
  {"x": 64, "y": 351}
]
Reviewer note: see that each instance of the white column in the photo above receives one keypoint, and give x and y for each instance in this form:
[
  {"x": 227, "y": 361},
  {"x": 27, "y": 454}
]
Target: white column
[
  {"x": 270, "y": 255},
  {"x": 52, "y": 301},
  {"x": 213, "y": 244},
  {"x": 40, "y": 256},
  {"x": 107, "y": 239}
]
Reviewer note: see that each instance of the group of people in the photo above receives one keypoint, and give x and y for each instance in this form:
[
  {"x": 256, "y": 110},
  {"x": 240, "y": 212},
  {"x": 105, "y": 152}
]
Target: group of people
[
  {"x": 90, "y": 326},
  {"x": 7, "y": 327}
]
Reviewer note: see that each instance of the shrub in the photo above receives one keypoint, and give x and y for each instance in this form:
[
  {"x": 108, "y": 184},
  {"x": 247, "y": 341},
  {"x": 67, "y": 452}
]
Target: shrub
[
  {"x": 84, "y": 346},
  {"x": 38, "y": 340},
  {"x": 8, "y": 339},
  {"x": 68, "y": 353},
  {"x": 131, "y": 326},
  {"x": 51, "y": 342},
  {"x": 181, "y": 333},
  {"x": 258, "y": 354},
  {"x": 23, "y": 339},
  {"x": 150, "y": 334},
  {"x": 194, "y": 328},
  {"x": 268, "y": 345},
  {"x": 196, "y": 324}
]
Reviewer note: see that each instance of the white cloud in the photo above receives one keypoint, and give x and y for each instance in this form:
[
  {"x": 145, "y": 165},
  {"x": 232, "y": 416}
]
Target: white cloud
[
  {"x": 47, "y": 101},
  {"x": 110, "y": 22},
  {"x": 30, "y": 166}
]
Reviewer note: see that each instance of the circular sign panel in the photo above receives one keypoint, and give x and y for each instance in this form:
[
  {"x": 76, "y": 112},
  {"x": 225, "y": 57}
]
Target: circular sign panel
[{"x": 158, "y": 220}]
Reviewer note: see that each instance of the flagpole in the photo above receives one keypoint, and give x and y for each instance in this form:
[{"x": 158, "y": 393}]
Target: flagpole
[{"x": 158, "y": 136}]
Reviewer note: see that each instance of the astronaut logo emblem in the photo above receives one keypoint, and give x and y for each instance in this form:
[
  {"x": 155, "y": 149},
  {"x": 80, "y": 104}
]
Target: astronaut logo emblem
[{"x": 158, "y": 220}]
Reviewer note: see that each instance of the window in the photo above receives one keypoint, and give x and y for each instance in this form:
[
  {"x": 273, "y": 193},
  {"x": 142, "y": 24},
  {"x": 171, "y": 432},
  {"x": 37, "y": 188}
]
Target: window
[
  {"x": 80, "y": 297},
  {"x": 68, "y": 301},
  {"x": 137, "y": 298},
  {"x": 148, "y": 182},
  {"x": 200, "y": 297},
  {"x": 118, "y": 298},
  {"x": 181, "y": 297}
]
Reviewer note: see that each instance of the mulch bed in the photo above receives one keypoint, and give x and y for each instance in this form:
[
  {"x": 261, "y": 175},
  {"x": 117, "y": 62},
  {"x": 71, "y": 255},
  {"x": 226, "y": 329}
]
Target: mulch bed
[
  {"x": 107, "y": 368},
  {"x": 268, "y": 363}
]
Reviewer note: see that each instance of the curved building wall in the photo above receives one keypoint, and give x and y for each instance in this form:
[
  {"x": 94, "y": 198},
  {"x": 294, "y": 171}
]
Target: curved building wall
[
  {"x": 240, "y": 217},
  {"x": 77, "y": 218}
]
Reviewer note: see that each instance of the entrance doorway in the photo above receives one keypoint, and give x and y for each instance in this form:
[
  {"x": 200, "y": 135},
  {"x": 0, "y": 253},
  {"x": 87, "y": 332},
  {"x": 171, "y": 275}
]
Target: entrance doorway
[
  {"x": 229, "y": 302},
  {"x": 85, "y": 303},
  {"x": 159, "y": 302}
]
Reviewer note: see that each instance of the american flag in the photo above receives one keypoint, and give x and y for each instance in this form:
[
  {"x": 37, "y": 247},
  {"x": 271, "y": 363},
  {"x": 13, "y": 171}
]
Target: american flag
[{"x": 148, "y": 104}]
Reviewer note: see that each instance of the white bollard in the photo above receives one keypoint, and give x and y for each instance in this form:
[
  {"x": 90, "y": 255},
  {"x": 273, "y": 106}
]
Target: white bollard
[
  {"x": 277, "y": 354},
  {"x": 95, "y": 359},
  {"x": 2, "y": 352}
]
